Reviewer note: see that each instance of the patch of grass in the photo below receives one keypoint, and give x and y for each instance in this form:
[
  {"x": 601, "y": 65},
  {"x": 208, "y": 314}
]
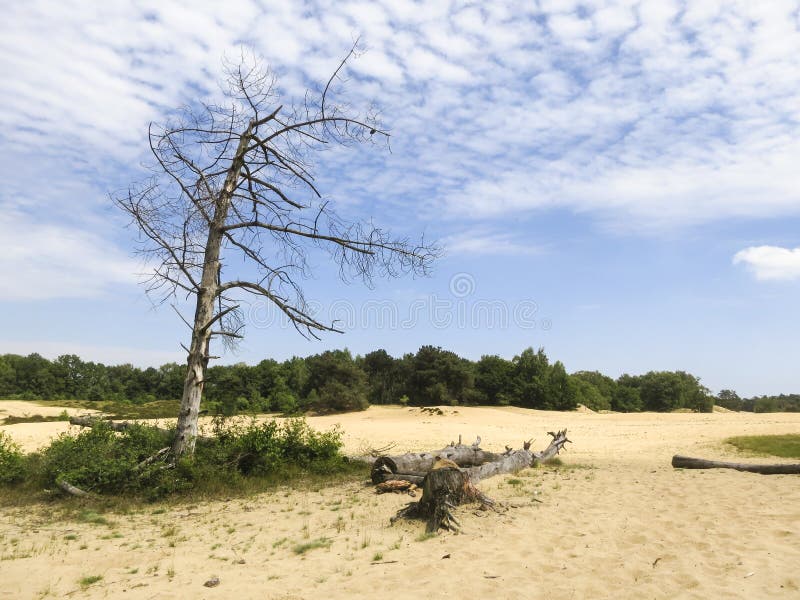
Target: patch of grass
[
  {"x": 90, "y": 516},
  {"x": 71, "y": 537},
  {"x": 377, "y": 556},
  {"x": 119, "y": 410},
  {"x": 427, "y": 535},
  {"x": 784, "y": 446},
  {"x": 322, "y": 542},
  {"x": 85, "y": 582},
  {"x": 13, "y": 419},
  {"x": 514, "y": 481}
]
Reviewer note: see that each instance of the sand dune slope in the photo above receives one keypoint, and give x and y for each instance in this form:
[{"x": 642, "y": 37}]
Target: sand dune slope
[{"x": 615, "y": 522}]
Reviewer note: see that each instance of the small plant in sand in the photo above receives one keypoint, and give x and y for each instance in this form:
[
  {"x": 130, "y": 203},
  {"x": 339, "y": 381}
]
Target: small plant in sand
[
  {"x": 89, "y": 580},
  {"x": 322, "y": 542}
]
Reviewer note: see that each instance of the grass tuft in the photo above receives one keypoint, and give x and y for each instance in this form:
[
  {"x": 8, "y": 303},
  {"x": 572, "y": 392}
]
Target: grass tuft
[
  {"x": 85, "y": 582},
  {"x": 322, "y": 542}
]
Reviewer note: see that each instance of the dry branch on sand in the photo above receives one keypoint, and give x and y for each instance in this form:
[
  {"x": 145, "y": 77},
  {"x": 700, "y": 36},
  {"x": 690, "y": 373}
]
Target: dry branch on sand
[
  {"x": 448, "y": 476},
  {"x": 687, "y": 462}
]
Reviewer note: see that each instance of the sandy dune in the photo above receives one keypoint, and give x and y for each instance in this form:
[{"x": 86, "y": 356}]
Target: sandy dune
[{"x": 618, "y": 523}]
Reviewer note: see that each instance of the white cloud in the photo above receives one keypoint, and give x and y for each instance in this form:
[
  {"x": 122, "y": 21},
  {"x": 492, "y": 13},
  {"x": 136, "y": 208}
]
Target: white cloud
[
  {"x": 640, "y": 115},
  {"x": 770, "y": 263},
  {"x": 485, "y": 243},
  {"x": 45, "y": 261}
]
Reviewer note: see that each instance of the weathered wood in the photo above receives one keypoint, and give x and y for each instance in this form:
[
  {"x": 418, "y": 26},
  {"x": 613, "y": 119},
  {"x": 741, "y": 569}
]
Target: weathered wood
[
  {"x": 71, "y": 489},
  {"x": 686, "y": 462},
  {"x": 481, "y": 464},
  {"x": 88, "y": 421},
  {"x": 417, "y": 464},
  {"x": 445, "y": 488}
]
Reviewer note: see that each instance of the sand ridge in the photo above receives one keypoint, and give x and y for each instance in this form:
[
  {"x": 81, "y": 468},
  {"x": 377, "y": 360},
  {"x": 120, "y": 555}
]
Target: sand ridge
[{"x": 616, "y": 522}]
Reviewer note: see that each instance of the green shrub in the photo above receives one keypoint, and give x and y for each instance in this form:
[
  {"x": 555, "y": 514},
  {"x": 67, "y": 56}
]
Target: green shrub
[
  {"x": 12, "y": 462},
  {"x": 266, "y": 447},
  {"x": 244, "y": 455},
  {"x": 100, "y": 460}
]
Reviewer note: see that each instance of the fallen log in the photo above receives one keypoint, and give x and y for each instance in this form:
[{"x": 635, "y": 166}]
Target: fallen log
[
  {"x": 417, "y": 464},
  {"x": 414, "y": 466},
  {"x": 686, "y": 462},
  {"x": 89, "y": 421},
  {"x": 446, "y": 485},
  {"x": 71, "y": 489},
  {"x": 520, "y": 459}
]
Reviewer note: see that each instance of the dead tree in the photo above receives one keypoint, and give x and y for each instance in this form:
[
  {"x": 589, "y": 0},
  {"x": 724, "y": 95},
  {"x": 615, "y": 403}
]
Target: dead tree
[
  {"x": 234, "y": 184},
  {"x": 445, "y": 488},
  {"x": 686, "y": 462}
]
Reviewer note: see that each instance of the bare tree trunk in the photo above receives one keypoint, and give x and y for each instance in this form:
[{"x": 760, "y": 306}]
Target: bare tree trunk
[
  {"x": 204, "y": 319},
  {"x": 686, "y": 462}
]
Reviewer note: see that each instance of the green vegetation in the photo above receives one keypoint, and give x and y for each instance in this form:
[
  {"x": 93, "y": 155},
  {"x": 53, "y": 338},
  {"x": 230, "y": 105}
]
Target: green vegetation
[
  {"x": 312, "y": 545},
  {"x": 785, "y": 446},
  {"x": 85, "y": 582},
  {"x": 13, "y": 420},
  {"x": 121, "y": 410},
  {"x": 242, "y": 456},
  {"x": 760, "y": 404},
  {"x": 12, "y": 461},
  {"x": 336, "y": 381}
]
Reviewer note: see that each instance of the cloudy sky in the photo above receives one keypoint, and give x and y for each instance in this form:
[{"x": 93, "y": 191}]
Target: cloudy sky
[{"x": 618, "y": 182}]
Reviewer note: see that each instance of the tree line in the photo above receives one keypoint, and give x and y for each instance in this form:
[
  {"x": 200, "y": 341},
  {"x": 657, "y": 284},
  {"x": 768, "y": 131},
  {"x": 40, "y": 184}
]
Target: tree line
[{"x": 337, "y": 381}]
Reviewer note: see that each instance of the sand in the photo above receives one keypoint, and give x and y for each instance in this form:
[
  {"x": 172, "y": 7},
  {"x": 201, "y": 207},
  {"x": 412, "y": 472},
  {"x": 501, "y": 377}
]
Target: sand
[{"x": 615, "y": 522}]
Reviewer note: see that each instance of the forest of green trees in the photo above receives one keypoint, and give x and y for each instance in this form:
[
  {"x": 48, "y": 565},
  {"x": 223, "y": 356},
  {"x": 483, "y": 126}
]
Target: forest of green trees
[{"x": 336, "y": 381}]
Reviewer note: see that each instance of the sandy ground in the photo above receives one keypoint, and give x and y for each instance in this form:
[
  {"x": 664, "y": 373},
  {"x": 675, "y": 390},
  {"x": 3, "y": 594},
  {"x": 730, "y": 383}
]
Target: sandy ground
[{"x": 615, "y": 522}]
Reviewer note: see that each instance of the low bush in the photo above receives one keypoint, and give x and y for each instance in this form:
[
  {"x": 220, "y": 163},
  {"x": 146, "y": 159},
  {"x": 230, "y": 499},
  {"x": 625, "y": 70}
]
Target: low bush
[
  {"x": 243, "y": 455},
  {"x": 263, "y": 448},
  {"x": 100, "y": 460},
  {"x": 12, "y": 461}
]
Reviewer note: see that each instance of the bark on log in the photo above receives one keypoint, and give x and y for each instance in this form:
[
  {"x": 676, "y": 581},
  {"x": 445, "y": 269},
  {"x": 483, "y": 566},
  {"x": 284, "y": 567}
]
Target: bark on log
[
  {"x": 417, "y": 464},
  {"x": 686, "y": 462},
  {"x": 71, "y": 489},
  {"x": 92, "y": 421},
  {"x": 480, "y": 464},
  {"x": 445, "y": 488}
]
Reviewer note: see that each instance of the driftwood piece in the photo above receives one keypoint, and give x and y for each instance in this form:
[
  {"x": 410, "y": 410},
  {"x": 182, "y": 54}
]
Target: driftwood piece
[{"x": 686, "y": 462}]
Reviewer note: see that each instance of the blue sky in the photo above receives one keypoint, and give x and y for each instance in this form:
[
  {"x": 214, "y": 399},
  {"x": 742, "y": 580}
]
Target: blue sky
[{"x": 615, "y": 181}]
